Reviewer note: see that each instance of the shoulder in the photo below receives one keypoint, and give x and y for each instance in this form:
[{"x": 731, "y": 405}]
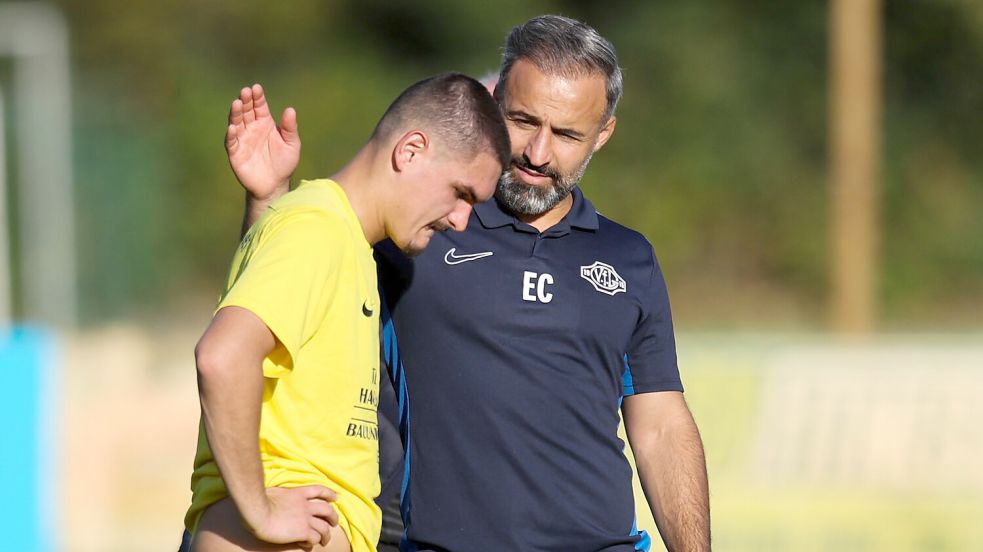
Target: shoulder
[
  {"x": 313, "y": 208},
  {"x": 297, "y": 218},
  {"x": 626, "y": 241},
  {"x": 299, "y": 226},
  {"x": 299, "y": 231}
]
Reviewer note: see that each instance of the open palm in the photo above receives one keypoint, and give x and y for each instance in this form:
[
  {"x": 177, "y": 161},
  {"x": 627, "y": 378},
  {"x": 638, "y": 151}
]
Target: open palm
[{"x": 262, "y": 154}]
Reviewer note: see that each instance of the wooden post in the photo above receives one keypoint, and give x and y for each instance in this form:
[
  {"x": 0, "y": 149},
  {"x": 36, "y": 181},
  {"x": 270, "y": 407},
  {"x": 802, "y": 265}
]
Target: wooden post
[{"x": 855, "y": 158}]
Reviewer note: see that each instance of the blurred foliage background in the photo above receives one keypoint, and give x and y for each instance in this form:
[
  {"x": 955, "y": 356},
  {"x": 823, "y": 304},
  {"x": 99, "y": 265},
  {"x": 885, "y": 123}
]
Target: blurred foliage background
[
  {"x": 720, "y": 157},
  {"x": 720, "y": 154}
]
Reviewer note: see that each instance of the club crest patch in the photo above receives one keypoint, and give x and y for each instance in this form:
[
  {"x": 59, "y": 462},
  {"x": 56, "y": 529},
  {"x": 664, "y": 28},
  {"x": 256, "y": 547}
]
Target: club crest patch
[{"x": 604, "y": 278}]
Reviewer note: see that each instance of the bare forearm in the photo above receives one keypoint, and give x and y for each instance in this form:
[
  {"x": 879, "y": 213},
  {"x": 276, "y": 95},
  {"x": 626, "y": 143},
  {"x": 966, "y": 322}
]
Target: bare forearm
[
  {"x": 672, "y": 469},
  {"x": 231, "y": 382},
  {"x": 231, "y": 391}
]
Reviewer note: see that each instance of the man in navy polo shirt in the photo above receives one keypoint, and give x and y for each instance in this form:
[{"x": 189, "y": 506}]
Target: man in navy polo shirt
[{"x": 514, "y": 344}]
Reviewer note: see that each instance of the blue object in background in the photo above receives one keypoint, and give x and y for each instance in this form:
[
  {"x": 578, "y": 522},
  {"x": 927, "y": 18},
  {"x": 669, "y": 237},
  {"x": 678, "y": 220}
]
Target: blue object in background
[{"x": 28, "y": 514}]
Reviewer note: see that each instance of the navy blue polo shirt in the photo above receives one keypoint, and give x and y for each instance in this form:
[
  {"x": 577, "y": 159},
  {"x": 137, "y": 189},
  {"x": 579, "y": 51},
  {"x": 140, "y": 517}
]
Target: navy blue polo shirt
[{"x": 511, "y": 350}]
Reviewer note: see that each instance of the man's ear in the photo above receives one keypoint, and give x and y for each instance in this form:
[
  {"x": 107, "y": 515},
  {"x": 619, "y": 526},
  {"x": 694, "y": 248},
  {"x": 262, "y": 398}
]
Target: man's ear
[
  {"x": 606, "y": 131},
  {"x": 409, "y": 148}
]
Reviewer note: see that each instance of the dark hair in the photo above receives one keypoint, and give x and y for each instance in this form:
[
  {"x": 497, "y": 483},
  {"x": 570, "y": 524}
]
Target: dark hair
[
  {"x": 558, "y": 45},
  {"x": 454, "y": 107}
]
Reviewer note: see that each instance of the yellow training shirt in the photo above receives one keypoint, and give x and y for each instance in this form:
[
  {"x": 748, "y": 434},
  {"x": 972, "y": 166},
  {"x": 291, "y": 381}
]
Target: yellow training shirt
[{"x": 307, "y": 271}]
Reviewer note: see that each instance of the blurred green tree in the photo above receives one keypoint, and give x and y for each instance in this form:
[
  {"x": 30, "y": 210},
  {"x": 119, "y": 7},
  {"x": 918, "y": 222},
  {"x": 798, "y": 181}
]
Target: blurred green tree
[{"x": 719, "y": 157}]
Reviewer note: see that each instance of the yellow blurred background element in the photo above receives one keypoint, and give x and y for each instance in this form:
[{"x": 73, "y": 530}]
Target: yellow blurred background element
[
  {"x": 812, "y": 444},
  {"x": 821, "y": 444}
]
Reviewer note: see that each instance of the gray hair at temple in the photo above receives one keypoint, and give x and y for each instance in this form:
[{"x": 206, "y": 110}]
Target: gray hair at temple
[{"x": 561, "y": 46}]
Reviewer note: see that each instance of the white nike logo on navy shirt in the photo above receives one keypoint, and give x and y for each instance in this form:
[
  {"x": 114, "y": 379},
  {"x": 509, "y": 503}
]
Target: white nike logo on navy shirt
[{"x": 452, "y": 259}]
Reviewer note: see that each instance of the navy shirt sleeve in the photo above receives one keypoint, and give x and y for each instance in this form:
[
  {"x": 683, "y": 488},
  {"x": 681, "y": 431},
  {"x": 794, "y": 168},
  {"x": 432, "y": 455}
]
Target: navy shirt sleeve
[{"x": 650, "y": 364}]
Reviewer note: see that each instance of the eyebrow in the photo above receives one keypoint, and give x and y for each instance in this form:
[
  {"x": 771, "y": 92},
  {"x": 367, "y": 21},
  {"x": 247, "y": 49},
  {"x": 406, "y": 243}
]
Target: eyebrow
[
  {"x": 467, "y": 192},
  {"x": 573, "y": 133}
]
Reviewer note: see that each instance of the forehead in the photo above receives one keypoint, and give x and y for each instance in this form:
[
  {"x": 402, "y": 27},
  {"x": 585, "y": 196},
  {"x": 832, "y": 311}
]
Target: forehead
[
  {"x": 565, "y": 101},
  {"x": 478, "y": 174}
]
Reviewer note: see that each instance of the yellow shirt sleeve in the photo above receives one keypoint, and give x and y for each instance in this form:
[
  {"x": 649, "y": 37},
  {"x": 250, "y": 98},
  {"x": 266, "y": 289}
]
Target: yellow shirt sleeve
[{"x": 286, "y": 273}]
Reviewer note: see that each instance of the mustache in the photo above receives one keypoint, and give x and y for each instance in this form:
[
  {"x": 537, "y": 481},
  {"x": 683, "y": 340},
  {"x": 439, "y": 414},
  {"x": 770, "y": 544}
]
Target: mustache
[{"x": 524, "y": 164}]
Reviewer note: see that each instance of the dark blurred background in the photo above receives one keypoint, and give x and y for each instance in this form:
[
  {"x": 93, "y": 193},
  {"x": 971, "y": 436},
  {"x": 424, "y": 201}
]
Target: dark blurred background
[{"x": 719, "y": 158}]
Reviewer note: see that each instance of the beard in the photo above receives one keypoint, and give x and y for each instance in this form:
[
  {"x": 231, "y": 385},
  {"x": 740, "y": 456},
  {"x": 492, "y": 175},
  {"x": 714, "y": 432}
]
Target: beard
[{"x": 527, "y": 199}]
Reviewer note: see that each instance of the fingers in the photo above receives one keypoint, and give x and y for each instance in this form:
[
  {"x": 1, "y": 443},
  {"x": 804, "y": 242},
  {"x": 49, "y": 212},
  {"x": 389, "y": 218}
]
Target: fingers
[
  {"x": 314, "y": 538},
  {"x": 251, "y": 106},
  {"x": 231, "y": 139},
  {"x": 248, "y": 104},
  {"x": 323, "y": 510},
  {"x": 236, "y": 125},
  {"x": 235, "y": 112},
  {"x": 260, "y": 107},
  {"x": 319, "y": 491},
  {"x": 254, "y": 104},
  {"x": 323, "y": 530}
]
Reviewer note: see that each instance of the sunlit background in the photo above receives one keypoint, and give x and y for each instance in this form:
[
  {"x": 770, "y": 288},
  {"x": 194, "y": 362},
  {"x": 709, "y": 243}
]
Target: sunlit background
[{"x": 810, "y": 173}]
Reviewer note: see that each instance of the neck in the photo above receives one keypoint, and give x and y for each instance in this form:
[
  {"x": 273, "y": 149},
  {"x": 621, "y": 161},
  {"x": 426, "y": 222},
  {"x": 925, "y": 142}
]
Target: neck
[
  {"x": 357, "y": 180},
  {"x": 545, "y": 221}
]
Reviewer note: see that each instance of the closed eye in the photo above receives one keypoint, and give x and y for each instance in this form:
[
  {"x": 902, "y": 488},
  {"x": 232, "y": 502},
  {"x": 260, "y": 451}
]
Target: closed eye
[
  {"x": 523, "y": 123},
  {"x": 522, "y": 119},
  {"x": 466, "y": 194}
]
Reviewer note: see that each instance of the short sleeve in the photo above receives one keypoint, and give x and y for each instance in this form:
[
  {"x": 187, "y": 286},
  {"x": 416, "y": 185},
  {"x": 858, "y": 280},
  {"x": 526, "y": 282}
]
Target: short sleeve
[
  {"x": 287, "y": 278},
  {"x": 650, "y": 363}
]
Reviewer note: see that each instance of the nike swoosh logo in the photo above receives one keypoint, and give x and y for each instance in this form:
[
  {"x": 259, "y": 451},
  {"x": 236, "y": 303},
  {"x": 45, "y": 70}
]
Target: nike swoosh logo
[
  {"x": 366, "y": 310},
  {"x": 452, "y": 259}
]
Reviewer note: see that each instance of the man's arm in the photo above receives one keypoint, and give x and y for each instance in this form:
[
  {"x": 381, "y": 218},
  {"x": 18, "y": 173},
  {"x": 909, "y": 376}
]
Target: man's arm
[
  {"x": 671, "y": 467},
  {"x": 262, "y": 154},
  {"x": 229, "y": 359}
]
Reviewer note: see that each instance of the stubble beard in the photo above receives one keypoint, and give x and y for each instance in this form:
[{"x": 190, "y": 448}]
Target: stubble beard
[
  {"x": 410, "y": 250},
  {"x": 527, "y": 199}
]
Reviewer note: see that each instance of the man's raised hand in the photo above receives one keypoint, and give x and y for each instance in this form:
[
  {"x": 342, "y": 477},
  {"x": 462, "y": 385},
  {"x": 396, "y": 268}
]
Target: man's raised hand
[{"x": 262, "y": 154}]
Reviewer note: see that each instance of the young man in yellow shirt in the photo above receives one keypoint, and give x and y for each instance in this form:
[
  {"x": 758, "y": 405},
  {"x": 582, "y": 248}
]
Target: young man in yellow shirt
[{"x": 288, "y": 369}]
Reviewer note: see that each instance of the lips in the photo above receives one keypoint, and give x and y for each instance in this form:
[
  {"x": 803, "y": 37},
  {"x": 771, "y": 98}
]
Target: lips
[{"x": 532, "y": 177}]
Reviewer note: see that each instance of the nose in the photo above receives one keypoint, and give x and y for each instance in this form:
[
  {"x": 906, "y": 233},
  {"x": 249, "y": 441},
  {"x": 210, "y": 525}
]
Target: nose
[
  {"x": 539, "y": 149},
  {"x": 458, "y": 218}
]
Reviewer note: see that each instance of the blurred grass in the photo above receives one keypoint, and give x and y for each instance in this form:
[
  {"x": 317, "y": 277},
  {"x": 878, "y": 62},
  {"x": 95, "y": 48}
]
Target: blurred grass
[
  {"x": 752, "y": 518},
  {"x": 725, "y": 379}
]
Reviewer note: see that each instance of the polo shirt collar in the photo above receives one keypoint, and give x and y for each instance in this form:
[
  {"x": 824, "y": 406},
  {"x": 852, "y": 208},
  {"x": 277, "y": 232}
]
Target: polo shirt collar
[{"x": 582, "y": 215}]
